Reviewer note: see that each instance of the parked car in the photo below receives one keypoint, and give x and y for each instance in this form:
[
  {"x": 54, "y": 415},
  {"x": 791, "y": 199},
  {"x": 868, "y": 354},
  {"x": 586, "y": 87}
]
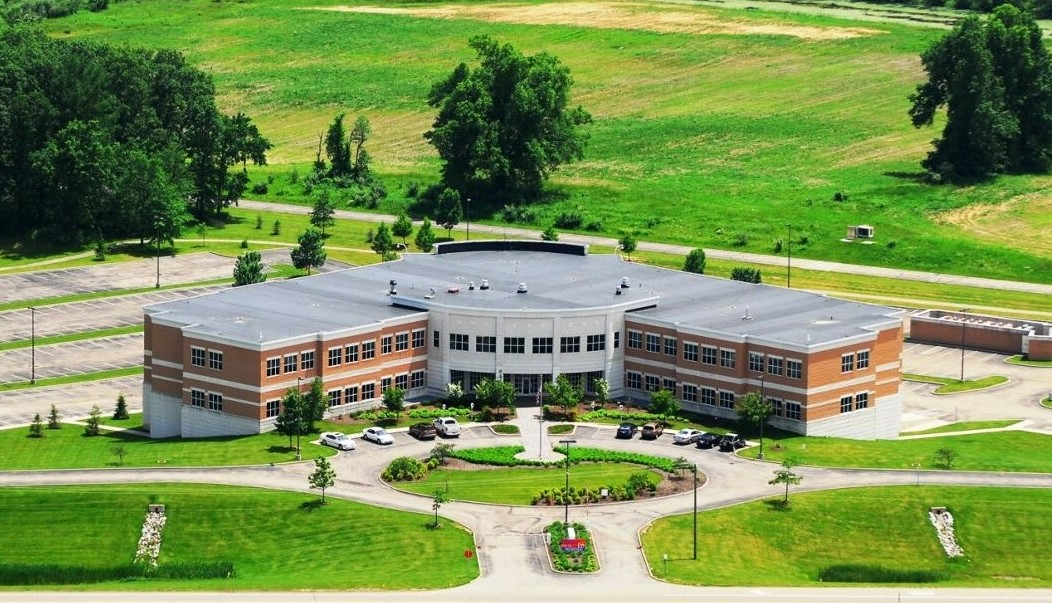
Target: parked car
[
  {"x": 708, "y": 440},
  {"x": 378, "y": 435},
  {"x": 731, "y": 442},
  {"x": 651, "y": 431},
  {"x": 447, "y": 427},
  {"x": 339, "y": 441},
  {"x": 686, "y": 436},
  {"x": 627, "y": 430},
  {"x": 422, "y": 431}
]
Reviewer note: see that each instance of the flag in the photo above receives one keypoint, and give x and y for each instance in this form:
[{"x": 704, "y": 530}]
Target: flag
[{"x": 540, "y": 393}]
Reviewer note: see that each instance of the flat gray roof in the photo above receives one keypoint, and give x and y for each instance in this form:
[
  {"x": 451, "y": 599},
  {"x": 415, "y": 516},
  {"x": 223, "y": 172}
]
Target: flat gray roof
[{"x": 353, "y": 298}]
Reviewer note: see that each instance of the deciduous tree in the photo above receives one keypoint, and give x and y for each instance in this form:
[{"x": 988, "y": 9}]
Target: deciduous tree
[
  {"x": 449, "y": 211},
  {"x": 785, "y": 475},
  {"x": 323, "y": 477},
  {"x": 394, "y": 400},
  {"x": 663, "y": 403},
  {"x": 403, "y": 227},
  {"x": 323, "y": 212}
]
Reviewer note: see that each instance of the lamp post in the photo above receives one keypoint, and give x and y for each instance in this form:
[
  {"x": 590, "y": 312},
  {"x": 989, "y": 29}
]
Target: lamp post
[
  {"x": 467, "y": 218},
  {"x": 762, "y": 421},
  {"x": 299, "y": 421},
  {"x": 33, "y": 345},
  {"x": 157, "y": 240},
  {"x": 964, "y": 311},
  {"x": 789, "y": 257},
  {"x": 683, "y": 464},
  {"x": 566, "y": 492}
]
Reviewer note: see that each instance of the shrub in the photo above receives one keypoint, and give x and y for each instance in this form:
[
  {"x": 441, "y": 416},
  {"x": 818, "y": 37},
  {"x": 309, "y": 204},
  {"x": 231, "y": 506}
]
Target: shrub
[
  {"x": 412, "y": 189},
  {"x": 550, "y": 234},
  {"x": 259, "y": 188},
  {"x": 741, "y": 239},
  {"x": 569, "y": 220},
  {"x": 259, "y": 222},
  {"x": 404, "y": 469},
  {"x": 517, "y": 213},
  {"x": 276, "y": 230},
  {"x": 25, "y": 574},
  {"x": 593, "y": 226},
  {"x": 876, "y": 574},
  {"x": 244, "y": 243},
  {"x": 746, "y": 275}
]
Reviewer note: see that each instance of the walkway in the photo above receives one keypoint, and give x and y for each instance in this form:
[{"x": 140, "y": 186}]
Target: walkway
[
  {"x": 535, "y": 438},
  {"x": 754, "y": 258}
]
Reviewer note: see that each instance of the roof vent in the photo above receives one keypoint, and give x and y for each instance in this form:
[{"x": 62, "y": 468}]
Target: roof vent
[
  {"x": 453, "y": 290},
  {"x": 430, "y": 295},
  {"x": 624, "y": 282},
  {"x": 484, "y": 285},
  {"x": 746, "y": 317},
  {"x": 471, "y": 285},
  {"x": 522, "y": 288},
  {"x": 393, "y": 284},
  {"x": 617, "y": 290}
]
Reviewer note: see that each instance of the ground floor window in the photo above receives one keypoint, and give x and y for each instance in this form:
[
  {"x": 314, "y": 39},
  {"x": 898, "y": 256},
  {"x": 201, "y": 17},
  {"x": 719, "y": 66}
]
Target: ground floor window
[
  {"x": 350, "y": 394},
  {"x": 215, "y": 401},
  {"x": 633, "y": 380},
  {"x": 726, "y": 399},
  {"x": 416, "y": 379},
  {"x": 792, "y": 411},
  {"x": 690, "y": 393},
  {"x": 273, "y": 408},
  {"x": 335, "y": 396}
]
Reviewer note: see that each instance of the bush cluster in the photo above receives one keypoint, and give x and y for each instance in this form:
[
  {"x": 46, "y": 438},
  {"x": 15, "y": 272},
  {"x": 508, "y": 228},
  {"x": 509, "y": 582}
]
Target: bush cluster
[
  {"x": 23, "y": 574},
  {"x": 434, "y": 413},
  {"x": 404, "y": 469},
  {"x": 569, "y": 220},
  {"x": 875, "y": 574},
  {"x": 585, "y": 561},
  {"x": 636, "y": 483},
  {"x": 623, "y": 415}
]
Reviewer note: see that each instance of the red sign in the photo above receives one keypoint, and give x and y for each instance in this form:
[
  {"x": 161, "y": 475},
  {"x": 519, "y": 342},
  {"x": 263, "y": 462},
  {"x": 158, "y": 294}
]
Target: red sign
[
  {"x": 468, "y": 554},
  {"x": 573, "y": 544}
]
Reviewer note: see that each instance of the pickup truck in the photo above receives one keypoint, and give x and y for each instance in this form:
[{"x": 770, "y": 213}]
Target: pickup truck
[{"x": 651, "y": 431}]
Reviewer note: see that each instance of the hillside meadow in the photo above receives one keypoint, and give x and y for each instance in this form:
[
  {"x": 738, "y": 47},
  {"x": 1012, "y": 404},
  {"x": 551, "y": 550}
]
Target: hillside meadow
[{"x": 713, "y": 127}]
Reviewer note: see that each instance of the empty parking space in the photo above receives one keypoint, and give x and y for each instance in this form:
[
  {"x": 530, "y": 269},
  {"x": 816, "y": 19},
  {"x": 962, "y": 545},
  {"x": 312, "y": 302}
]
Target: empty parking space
[{"x": 74, "y": 358}]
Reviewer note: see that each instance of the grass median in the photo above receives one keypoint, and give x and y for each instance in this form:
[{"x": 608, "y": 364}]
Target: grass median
[
  {"x": 1006, "y": 534},
  {"x": 278, "y": 541}
]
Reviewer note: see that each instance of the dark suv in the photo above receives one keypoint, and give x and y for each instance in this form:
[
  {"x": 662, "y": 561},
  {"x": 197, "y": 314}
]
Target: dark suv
[
  {"x": 731, "y": 442},
  {"x": 626, "y": 430},
  {"x": 708, "y": 440},
  {"x": 422, "y": 431}
]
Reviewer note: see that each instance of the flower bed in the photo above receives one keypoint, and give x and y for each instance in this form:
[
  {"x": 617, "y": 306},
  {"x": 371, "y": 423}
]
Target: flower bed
[{"x": 578, "y": 560}]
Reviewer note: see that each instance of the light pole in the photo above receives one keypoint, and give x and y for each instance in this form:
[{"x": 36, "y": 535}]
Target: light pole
[
  {"x": 683, "y": 464},
  {"x": 789, "y": 257},
  {"x": 299, "y": 421},
  {"x": 467, "y": 218},
  {"x": 157, "y": 240},
  {"x": 964, "y": 311},
  {"x": 566, "y": 492},
  {"x": 33, "y": 345},
  {"x": 763, "y": 420}
]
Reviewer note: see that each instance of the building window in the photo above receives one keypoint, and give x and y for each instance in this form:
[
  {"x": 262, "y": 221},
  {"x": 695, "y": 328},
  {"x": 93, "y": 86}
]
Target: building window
[
  {"x": 570, "y": 345},
  {"x": 651, "y": 383},
  {"x": 635, "y": 340},
  {"x": 487, "y": 344},
  {"x": 416, "y": 379},
  {"x": 197, "y": 398},
  {"x": 350, "y": 394},
  {"x": 335, "y": 356},
  {"x": 352, "y": 353},
  {"x": 861, "y": 400},
  {"x": 670, "y": 346},
  {"x": 774, "y": 365},
  {"x": 617, "y": 339},
  {"x": 273, "y": 408},
  {"x": 792, "y": 411},
  {"x": 708, "y": 355},
  {"x": 385, "y": 344},
  {"x": 633, "y": 380},
  {"x": 862, "y": 360},
  {"x": 418, "y": 338},
  {"x": 690, "y": 393},
  {"x": 755, "y": 362},
  {"x": 436, "y": 339},
  {"x": 596, "y": 343},
  {"x": 690, "y": 352},
  {"x": 458, "y": 341},
  {"x": 669, "y": 384},
  {"x": 197, "y": 356},
  {"x": 708, "y": 396},
  {"x": 368, "y": 350},
  {"x": 273, "y": 366},
  {"x": 385, "y": 384},
  {"x": 368, "y": 391},
  {"x": 335, "y": 397},
  {"x": 794, "y": 369},
  {"x": 215, "y": 401},
  {"x": 779, "y": 408},
  {"x": 307, "y": 360},
  {"x": 290, "y": 363},
  {"x": 726, "y": 399},
  {"x": 215, "y": 360},
  {"x": 728, "y": 358},
  {"x": 846, "y": 403},
  {"x": 514, "y": 345},
  {"x": 401, "y": 342},
  {"x": 542, "y": 345},
  {"x": 847, "y": 362},
  {"x": 653, "y": 343},
  {"x": 402, "y": 381}
]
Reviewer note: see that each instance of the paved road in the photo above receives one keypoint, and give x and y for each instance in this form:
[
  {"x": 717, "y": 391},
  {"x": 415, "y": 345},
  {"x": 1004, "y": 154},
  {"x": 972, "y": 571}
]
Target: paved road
[{"x": 773, "y": 260}]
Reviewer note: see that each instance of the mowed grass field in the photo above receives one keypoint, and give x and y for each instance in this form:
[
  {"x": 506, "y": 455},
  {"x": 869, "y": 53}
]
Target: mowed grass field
[
  {"x": 1006, "y": 534},
  {"x": 714, "y": 127},
  {"x": 276, "y": 540}
]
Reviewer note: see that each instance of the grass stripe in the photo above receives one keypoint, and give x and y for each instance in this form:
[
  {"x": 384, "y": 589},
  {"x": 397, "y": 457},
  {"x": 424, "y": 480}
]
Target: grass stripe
[{"x": 66, "y": 299}]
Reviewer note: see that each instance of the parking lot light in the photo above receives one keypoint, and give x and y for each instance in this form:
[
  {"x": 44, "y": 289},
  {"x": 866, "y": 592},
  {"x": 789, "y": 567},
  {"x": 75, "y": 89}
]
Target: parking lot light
[
  {"x": 566, "y": 491},
  {"x": 684, "y": 464}
]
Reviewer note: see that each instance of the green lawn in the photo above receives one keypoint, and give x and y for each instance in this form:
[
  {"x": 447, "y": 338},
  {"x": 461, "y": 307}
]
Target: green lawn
[
  {"x": 955, "y": 386},
  {"x": 517, "y": 486},
  {"x": 1006, "y": 534},
  {"x": 997, "y": 451},
  {"x": 69, "y": 448},
  {"x": 276, "y": 540},
  {"x": 1035, "y": 363},
  {"x": 964, "y": 426},
  {"x": 708, "y": 139}
]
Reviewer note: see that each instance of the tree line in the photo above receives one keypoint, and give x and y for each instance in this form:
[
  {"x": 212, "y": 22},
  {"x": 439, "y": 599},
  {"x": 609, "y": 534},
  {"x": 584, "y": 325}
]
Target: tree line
[{"x": 99, "y": 143}]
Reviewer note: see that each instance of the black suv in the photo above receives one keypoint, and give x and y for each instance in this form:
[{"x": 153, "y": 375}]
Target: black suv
[
  {"x": 708, "y": 440},
  {"x": 626, "y": 430},
  {"x": 731, "y": 442},
  {"x": 422, "y": 431}
]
